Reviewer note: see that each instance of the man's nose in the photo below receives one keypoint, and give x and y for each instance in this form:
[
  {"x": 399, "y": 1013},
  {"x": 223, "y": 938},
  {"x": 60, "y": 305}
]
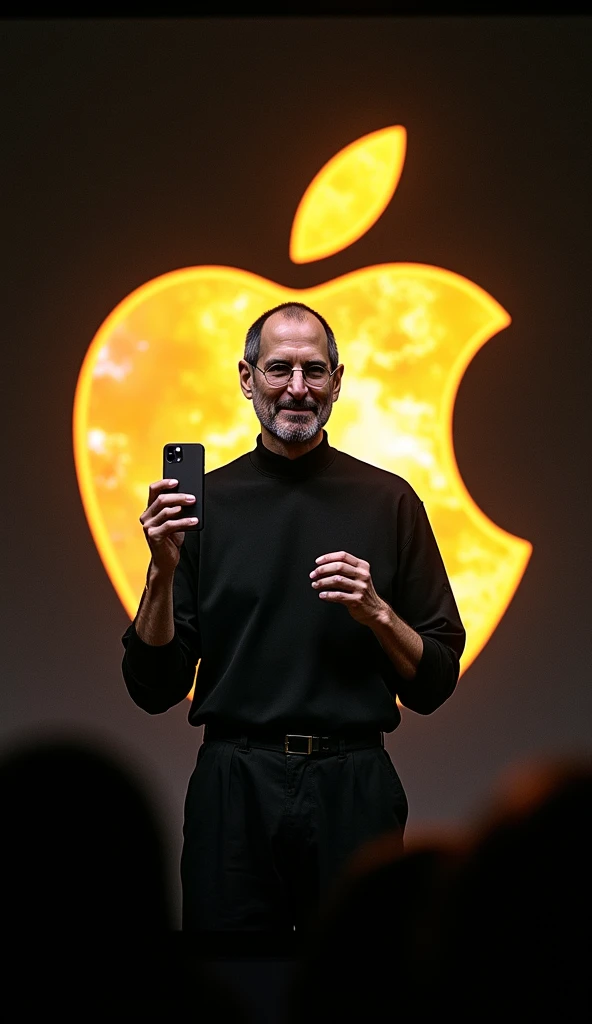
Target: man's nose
[{"x": 297, "y": 386}]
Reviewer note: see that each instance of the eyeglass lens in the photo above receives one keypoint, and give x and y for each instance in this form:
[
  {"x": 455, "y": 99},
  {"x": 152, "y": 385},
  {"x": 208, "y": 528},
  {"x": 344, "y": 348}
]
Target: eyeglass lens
[{"x": 279, "y": 374}]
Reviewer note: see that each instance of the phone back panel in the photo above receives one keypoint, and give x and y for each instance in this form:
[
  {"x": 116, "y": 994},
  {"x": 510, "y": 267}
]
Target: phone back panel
[{"x": 186, "y": 463}]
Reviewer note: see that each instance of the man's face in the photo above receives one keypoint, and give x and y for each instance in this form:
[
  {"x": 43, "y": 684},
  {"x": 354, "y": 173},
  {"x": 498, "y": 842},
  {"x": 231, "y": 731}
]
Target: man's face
[{"x": 297, "y": 411}]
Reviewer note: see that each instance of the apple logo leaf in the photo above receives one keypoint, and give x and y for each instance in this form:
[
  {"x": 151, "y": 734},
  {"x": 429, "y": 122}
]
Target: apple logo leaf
[{"x": 348, "y": 195}]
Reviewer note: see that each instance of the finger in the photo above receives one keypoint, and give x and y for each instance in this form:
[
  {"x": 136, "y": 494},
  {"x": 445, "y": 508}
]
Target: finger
[
  {"x": 166, "y": 513},
  {"x": 159, "y": 486},
  {"x": 344, "y": 583},
  {"x": 346, "y": 568},
  {"x": 182, "y": 498},
  {"x": 168, "y": 528},
  {"x": 162, "y": 502},
  {"x": 182, "y": 524},
  {"x": 160, "y": 492},
  {"x": 337, "y": 556},
  {"x": 340, "y": 597}
]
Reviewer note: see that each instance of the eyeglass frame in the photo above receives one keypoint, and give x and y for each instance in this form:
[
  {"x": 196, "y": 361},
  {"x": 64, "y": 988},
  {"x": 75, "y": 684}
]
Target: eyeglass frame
[{"x": 317, "y": 387}]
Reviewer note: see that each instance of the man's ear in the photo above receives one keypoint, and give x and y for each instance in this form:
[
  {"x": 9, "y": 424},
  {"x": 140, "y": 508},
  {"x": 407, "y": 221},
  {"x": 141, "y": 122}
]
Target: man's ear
[
  {"x": 337, "y": 382},
  {"x": 246, "y": 378}
]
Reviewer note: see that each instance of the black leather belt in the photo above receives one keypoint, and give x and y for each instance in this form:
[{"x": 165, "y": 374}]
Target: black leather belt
[{"x": 298, "y": 743}]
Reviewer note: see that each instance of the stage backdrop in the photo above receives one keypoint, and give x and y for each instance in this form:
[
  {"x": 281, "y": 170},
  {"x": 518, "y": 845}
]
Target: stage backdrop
[{"x": 453, "y": 263}]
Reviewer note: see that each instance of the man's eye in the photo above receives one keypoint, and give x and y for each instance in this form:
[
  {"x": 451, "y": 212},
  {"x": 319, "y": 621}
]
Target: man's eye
[{"x": 279, "y": 369}]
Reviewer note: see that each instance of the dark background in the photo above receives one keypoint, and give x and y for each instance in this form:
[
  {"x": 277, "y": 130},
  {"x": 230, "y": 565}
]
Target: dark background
[{"x": 135, "y": 147}]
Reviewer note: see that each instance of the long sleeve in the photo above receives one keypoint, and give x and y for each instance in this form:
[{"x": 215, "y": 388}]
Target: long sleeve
[
  {"x": 269, "y": 653},
  {"x": 158, "y": 677},
  {"x": 423, "y": 599}
]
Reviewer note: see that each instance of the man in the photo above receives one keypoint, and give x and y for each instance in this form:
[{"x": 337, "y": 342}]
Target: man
[{"x": 314, "y": 596}]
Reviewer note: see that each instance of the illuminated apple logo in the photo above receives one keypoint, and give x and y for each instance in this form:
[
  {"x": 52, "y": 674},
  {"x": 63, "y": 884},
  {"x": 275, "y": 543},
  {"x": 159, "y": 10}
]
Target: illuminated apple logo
[{"x": 164, "y": 365}]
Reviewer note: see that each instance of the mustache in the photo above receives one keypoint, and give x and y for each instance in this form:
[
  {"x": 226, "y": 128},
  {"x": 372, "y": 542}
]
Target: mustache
[{"x": 298, "y": 406}]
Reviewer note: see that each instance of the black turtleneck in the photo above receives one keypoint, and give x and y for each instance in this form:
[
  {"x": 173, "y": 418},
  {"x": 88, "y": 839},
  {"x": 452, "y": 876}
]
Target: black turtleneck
[
  {"x": 270, "y": 651},
  {"x": 314, "y": 461}
]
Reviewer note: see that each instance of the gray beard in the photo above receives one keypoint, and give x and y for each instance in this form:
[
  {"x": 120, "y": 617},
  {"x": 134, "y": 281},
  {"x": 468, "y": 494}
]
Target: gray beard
[{"x": 267, "y": 411}]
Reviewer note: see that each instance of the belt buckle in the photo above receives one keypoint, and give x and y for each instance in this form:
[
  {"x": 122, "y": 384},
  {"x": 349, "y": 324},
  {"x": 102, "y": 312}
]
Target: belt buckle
[{"x": 297, "y": 736}]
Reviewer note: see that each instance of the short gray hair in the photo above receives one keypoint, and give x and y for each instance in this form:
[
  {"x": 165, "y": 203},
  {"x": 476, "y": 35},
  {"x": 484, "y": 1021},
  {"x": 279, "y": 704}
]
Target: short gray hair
[{"x": 292, "y": 311}]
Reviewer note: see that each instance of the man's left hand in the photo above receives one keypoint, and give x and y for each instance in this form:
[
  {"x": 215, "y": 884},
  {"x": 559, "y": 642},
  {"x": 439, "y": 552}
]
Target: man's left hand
[{"x": 341, "y": 578}]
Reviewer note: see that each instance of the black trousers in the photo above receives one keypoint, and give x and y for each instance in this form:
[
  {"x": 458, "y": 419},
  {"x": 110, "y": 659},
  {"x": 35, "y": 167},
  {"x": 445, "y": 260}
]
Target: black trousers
[{"x": 267, "y": 833}]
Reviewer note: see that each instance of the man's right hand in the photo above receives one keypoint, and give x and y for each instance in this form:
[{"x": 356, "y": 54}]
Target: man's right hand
[{"x": 165, "y": 535}]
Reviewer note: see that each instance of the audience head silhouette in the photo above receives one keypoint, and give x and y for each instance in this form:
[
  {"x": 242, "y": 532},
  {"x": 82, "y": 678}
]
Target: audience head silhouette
[
  {"x": 512, "y": 936},
  {"x": 84, "y": 902},
  {"x": 366, "y": 959},
  {"x": 82, "y": 849},
  {"x": 488, "y": 923}
]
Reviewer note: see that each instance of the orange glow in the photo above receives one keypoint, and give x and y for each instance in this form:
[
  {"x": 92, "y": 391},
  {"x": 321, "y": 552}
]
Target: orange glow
[
  {"x": 164, "y": 364},
  {"x": 348, "y": 195}
]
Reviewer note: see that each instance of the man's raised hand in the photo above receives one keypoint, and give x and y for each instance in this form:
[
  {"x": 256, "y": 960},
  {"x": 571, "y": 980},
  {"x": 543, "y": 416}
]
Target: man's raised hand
[
  {"x": 342, "y": 578},
  {"x": 165, "y": 535}
]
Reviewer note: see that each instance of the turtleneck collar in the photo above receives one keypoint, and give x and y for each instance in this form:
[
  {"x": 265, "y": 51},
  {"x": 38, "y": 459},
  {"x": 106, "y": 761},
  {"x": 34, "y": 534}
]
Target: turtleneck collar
[{"x": 272, "y": 464}]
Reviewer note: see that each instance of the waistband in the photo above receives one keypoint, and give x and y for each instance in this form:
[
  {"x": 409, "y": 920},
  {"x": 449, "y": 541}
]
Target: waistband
[{"x": 297, "y": 743}]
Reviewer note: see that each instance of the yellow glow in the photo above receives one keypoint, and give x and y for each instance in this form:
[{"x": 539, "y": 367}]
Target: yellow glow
[
  {"x": 164, "y": 365},
  {"x": 348, "y": 195}
]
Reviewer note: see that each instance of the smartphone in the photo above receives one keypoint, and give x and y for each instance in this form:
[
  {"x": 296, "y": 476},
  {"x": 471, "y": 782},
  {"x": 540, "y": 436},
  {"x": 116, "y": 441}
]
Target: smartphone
[{"x": 186, "y": 463}]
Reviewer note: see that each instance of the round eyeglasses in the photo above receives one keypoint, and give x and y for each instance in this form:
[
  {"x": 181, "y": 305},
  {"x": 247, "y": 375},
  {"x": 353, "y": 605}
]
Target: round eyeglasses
[{"x": 279, "y": 374}]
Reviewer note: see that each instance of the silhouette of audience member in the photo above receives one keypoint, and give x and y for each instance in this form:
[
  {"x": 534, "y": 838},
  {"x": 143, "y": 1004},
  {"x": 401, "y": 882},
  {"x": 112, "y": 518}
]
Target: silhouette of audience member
[
  {"x": 515, "y": 930},
  {"x": 490, "y": 924},
  {"x": 365, "y": 959},
  {"x": 85, "y": 909}
]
